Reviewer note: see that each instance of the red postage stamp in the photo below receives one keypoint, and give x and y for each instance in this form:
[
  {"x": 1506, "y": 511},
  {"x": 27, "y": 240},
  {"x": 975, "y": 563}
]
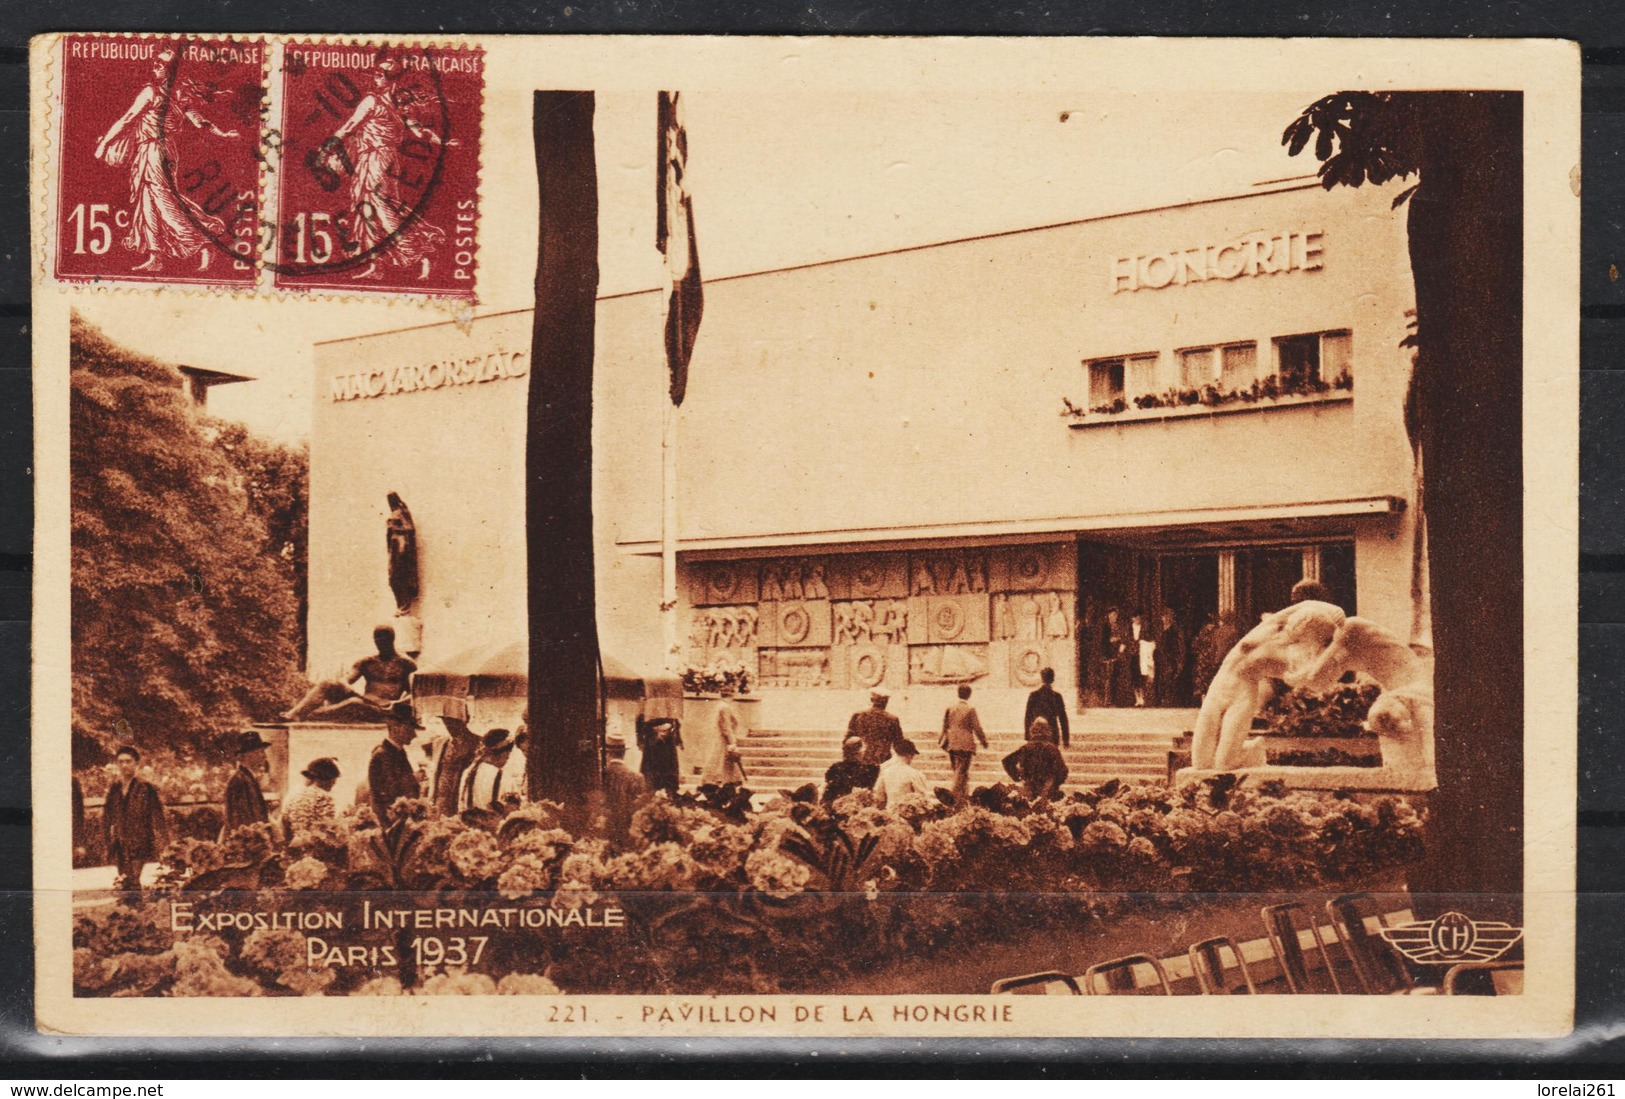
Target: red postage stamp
[
  {"x": 158, "y": 160},
  {"x": 378, "y": 185}
]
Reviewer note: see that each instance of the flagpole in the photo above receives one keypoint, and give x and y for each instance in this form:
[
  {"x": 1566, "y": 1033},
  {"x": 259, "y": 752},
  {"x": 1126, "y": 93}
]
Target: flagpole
[{"x": 668, "y": 500}]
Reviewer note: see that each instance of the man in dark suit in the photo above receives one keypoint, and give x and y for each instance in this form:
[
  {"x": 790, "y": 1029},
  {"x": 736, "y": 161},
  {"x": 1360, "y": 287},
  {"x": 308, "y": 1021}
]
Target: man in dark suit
[
  {"x": 850, "y": 774},
  {"x": 879, "y": 731},
  {"x": 133, "y": 821},
  {"x": 1046, "y": 702},
  {"x": 245, "y": 801},
  {"x": 390, "y": 774},
  {"x": 622, "y": 789}
]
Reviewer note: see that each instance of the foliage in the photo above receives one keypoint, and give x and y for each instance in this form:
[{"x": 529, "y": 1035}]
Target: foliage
[
  {"x": 1324, "y": 757},
  {"x": 716, "y": 677},
  {"x": 1211, "y": 396},
  {"x": 1360, "y": 137},
  {"x": 1339, "y": 712},
  {"x": 184, "y": 618},
  {"x": 795, "y": 896}
]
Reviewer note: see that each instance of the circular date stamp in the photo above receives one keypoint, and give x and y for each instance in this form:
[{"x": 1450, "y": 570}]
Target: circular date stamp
[{"x": 378, "y": 172}]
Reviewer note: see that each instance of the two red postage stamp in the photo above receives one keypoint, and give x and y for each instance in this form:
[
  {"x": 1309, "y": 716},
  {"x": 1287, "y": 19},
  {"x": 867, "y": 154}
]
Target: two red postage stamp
[{"x": 259, "y": 165}]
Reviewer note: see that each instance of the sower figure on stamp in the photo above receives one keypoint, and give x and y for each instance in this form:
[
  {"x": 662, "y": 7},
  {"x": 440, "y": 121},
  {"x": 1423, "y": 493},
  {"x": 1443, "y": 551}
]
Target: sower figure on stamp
[
  {"x": 380, "y": 220},
  {"x": 245, "y": 801},
  {"x": 879, "y": 731},
  {"x": 133, "y": 821},
  {"x": 386, "y": 679},
  {"x": 162, "y": 222}
]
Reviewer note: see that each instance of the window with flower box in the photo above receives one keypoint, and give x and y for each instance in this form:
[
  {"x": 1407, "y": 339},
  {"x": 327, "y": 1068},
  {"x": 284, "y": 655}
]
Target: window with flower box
[
  {"x": 1122, "y": 378},
  {"x": 1313, "y": 358},
  {"x": 1228, "y": 366}
]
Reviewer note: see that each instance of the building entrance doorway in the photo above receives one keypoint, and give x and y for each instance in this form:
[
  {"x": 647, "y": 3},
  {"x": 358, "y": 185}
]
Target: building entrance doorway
[{"x": 1192, "y": 603}]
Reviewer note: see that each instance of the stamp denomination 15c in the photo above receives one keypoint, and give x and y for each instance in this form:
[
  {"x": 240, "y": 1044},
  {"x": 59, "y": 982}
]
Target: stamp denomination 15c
[
  {"x": 158, "y": 160},
  {"x": 378, "y": 185}
]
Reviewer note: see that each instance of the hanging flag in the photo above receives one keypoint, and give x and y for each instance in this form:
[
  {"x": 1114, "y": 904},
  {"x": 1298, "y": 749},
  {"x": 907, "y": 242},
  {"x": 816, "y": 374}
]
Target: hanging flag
[{"x": 674, "y": 236}]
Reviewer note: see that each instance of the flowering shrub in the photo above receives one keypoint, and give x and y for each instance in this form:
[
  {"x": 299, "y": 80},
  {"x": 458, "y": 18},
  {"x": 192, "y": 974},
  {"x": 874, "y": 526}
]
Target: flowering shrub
[
  {"x": 791, "y": 897},
  {"x": 1263, "y": 389},
  {"x": 1339, "y": 712}
]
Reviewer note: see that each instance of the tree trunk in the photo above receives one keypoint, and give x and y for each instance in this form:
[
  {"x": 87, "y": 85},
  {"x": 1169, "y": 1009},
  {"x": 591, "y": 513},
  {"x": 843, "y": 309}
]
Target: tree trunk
[
  {"x": 564, "y": 682},
  {"x": 1466, "y": 246}
]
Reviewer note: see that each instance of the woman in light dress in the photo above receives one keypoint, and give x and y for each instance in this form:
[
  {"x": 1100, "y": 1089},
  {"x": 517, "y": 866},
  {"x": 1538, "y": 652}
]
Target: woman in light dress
[{"x": 726, "y": 765}]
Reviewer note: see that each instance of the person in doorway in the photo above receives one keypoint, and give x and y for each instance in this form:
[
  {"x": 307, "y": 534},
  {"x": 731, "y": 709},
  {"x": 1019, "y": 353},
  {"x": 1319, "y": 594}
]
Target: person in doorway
[
  {"x": 659, "y": 739},
  {"x": 850, "y": 773},
  {"x": 314, "y": 804},
  {"x": 961, "y": 732},
  {"x": 1114, "y": 659},
  {"x": 898, "y": 778},
  {"x": 1046, "y": 702},
  {"x": 1038, "y": 764},
  {"x": 727, "y": 765},
  {"x": 390, "y": 776},
  {"x": 245, "y": 801},
  {"x": 622, "y": 789},
  {"x": 386, "y": 678},
  {"x": 481, "y": 784},
  {"x": 133, "y": 822},
  {"x": 879, "y": 730},
  {"x": 1142, "y": 658},
  {"x": 1173, "y": 662}
]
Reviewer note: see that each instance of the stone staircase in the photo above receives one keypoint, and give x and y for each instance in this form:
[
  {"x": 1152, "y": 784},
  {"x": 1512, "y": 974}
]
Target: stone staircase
[{"x": 1134, "y": 746}]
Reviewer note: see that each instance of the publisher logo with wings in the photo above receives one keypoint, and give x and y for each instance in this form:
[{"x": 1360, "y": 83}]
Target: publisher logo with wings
[{"x": 1452, "y": 939}]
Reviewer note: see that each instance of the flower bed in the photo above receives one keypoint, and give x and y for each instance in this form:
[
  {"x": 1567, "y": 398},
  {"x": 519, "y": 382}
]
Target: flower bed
[{"x": 717, "y": 898}]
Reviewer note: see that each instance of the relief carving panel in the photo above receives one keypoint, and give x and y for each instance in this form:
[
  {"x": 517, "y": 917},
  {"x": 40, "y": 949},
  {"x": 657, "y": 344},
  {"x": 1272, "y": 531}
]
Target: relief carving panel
[
  {"x": 794, "y": 668},
  {"x": 929, "y": 664},
  {"x": 950, "y": 572}
]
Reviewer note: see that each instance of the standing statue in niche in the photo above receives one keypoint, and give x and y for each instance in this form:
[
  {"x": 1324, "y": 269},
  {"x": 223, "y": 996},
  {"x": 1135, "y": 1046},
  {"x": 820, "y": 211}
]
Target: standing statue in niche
[{"x": 401, "y": 536}]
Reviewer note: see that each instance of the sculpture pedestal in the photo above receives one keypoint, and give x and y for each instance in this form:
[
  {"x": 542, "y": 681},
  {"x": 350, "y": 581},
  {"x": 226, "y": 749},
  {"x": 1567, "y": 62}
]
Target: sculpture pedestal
[
  {"x": 350, "y": 745},
  {"x": 1385, "y": 779}
]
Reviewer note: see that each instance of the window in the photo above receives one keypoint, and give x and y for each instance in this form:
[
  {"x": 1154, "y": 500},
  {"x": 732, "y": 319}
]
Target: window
[
  {"x": 1141, "y": 376},
  {"x": 1313, "y": 358},
  {"x": 1105, "y": 382},
  {"x": 1231, "y": 366},
  {"x": 1196, "y": 368},
  {"x": 1238, "y": 365},
  {"x": 1336, "y": 355}
]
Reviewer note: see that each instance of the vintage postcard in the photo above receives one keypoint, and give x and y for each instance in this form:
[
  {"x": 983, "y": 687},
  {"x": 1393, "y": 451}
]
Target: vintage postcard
[{"x": 804, "y": 537}]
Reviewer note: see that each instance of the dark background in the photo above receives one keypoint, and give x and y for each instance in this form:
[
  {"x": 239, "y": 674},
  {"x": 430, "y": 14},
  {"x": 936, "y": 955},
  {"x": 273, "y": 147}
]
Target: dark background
[{"x": 1595, "y": 1050}]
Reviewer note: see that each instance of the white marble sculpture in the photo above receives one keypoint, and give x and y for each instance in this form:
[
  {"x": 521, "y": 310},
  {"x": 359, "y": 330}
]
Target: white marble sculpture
[
  {"x": 1278, "y": 647},
  {"x": 1402, "y": 715}
]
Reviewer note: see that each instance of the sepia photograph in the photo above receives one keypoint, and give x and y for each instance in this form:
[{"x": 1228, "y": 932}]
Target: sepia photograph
[{"x": 748, "y": 558}]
